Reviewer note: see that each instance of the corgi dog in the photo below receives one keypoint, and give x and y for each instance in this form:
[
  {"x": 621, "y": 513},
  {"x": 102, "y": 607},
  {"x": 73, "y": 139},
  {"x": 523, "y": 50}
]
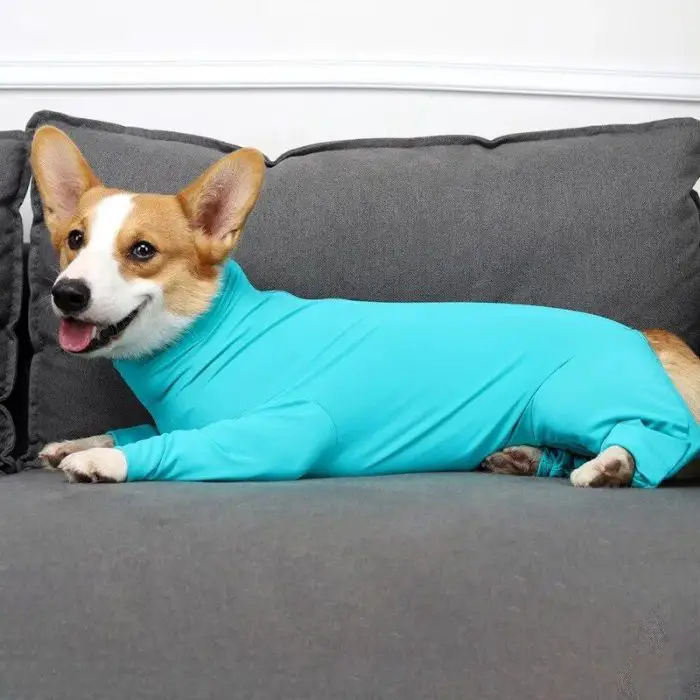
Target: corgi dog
[{"x": 244, "y": 384}]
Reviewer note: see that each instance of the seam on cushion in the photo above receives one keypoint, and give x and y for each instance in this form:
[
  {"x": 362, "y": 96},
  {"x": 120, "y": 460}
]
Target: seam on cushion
[
  {"x": 37, "y": 230},
  {"x": 30, "y": 458},
  {"x": 46, "y": 116},
  {"x": 8, "y": 367},
  {"x": 13, "y": 135},
  {"x": 49, "y": 117},
  {"x": 8, "y": 465},
  {"x": 695, "y": 197},
  {"x": 466, "y": 140}
]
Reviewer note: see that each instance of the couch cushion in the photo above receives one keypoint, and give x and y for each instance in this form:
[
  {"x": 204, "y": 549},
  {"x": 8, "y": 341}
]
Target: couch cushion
[
  {"x": 446, "y": 586},
  {"x": 599, "y": 219},
  {"x": 14, "y": 179}
]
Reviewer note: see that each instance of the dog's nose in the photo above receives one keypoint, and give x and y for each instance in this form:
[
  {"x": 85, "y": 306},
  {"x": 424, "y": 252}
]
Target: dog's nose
[{"x": 71, "y": 295}]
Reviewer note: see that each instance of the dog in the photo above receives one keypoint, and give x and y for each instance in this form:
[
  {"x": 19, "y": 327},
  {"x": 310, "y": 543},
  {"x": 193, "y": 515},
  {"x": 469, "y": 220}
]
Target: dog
[{"x": 244, "y": 384}]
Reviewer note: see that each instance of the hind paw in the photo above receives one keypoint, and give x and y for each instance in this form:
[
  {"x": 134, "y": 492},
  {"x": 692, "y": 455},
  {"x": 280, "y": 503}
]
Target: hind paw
[{"x": 519, "y": 461}]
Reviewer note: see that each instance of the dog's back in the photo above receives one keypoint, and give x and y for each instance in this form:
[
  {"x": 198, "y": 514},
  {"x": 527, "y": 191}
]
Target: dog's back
[
  {"x": 683, "y": 367},
  {"x": 681, "y": 364}
]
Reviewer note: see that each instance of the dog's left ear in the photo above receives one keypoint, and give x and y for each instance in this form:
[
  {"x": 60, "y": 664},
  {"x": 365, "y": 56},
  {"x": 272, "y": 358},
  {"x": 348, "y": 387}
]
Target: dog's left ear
[{"x": 219, "y": 201}]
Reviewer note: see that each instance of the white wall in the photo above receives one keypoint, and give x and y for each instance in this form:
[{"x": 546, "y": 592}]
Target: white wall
[
  {"x": 612, "y": 34},
  {"x": 276, "y": 120},
  {"x": 472, "y": 51},
  {"x": 280, "y": 73}
]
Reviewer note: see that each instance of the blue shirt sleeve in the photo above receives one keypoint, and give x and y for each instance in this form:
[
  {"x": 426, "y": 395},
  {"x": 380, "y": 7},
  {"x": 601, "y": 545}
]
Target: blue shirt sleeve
[
  {"x": 278, "y": 442},
  {"x": 125, "y": 436}
]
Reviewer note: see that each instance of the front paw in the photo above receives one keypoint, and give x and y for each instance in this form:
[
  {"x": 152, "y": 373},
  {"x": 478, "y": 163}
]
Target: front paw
[
  {"x": 54, "y": 453},
  {"x": 96, "y": 465}
]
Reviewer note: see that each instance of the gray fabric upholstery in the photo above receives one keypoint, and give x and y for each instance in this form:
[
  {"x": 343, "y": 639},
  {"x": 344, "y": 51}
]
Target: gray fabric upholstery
[
  {"x": 14, "y": 179},
  {"x": 598, "y": 219},
  {"x": 448, "y": 586}
]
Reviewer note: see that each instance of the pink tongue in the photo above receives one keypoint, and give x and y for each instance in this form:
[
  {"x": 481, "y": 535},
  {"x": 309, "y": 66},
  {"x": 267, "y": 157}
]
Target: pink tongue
[{"x": 74, "y": 336}]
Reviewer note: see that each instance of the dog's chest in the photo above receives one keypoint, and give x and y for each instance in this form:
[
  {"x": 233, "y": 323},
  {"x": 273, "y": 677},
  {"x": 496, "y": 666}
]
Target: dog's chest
[{"x": 216, "y": 383}]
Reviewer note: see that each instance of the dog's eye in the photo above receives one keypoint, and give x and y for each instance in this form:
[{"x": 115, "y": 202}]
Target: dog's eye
[
  {"x": 76, "y": 239},
  {"x": 142, "y": 251}
]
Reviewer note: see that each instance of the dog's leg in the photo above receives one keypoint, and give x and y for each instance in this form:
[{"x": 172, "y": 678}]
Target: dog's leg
[
  {"x": 520, "y": 461},
  {"x": 613, "y": 467},
  {"x": 55, "y": 452}
]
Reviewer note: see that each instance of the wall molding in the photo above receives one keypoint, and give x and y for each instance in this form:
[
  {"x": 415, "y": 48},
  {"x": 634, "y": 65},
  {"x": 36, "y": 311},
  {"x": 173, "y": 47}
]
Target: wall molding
[{"x": 334, "y": 74}]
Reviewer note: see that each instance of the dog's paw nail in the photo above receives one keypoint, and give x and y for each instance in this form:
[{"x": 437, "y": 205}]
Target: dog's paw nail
[
  {"x": 582, "y": 478},
  {"x": 52, "y": 454}
]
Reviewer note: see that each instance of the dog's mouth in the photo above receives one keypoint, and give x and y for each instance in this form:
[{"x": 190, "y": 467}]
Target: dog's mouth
[{"x": 79, "y": 337}]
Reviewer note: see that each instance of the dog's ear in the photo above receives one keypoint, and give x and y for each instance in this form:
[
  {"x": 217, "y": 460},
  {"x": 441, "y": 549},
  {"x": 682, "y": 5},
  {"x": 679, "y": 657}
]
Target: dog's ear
[
  {"x": 62, "y": 175},
  {"x": 218, "y": 202}
]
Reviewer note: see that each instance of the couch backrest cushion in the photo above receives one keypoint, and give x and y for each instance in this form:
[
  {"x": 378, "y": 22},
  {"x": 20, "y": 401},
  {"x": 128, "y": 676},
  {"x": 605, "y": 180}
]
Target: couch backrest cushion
[{"x": 601, "y": 219}]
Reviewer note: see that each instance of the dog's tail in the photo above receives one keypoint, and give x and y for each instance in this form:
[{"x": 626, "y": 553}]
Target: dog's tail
[{"x": 681, "y": 364}]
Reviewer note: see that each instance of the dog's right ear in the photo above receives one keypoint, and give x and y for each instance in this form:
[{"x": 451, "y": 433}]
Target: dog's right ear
[
  {"x": 62, "y": 175},
  {"x": 219, "y": 201}
]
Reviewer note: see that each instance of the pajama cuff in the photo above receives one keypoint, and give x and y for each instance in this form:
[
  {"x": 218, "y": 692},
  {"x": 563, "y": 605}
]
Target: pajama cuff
[
  {"x": 658, "y": 456},
  {"x": 556, "y": 463},
  {"x": 125, "y": 436}
]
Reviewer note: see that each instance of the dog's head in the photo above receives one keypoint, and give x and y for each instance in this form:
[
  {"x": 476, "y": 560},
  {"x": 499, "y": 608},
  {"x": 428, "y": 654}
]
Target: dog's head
[{"x": 136, "y": 269}]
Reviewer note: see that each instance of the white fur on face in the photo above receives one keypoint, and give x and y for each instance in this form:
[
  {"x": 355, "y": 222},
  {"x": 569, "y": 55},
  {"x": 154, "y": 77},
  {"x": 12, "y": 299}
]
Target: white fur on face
[{"x": 112, "y": 297}]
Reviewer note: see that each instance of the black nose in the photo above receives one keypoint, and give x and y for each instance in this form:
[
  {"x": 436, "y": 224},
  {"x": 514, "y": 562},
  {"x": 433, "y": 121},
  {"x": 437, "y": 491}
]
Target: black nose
[{"x": 71, "y": 296}]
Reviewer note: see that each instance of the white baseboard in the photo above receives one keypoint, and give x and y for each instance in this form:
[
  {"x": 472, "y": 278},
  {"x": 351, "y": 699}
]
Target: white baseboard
[{"x": 343, "y": 74}]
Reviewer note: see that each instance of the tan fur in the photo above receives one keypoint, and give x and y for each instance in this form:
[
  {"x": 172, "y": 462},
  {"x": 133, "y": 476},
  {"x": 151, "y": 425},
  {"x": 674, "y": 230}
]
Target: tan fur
[
  {"x": 681, "y": 364},
  {"x": 192, "y": 231},
  {"x": 80, "y": 221},
  {"x": 683, "y": 367},
  {"x": 188, "y": 283}
]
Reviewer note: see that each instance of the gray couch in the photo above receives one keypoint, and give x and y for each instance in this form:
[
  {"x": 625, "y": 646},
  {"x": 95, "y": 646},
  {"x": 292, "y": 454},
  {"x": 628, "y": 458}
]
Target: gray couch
[{"x": 450, "y": 586}]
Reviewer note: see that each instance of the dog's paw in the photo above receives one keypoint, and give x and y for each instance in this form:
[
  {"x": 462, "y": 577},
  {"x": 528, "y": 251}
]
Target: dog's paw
[
  {"x": 95, "y": 465},
  {"x": 54, "y": 453},
  {"x": 520, "y": 461},
  {"x": 612, "y": 468},
  {"x": 587, "y": 475}
]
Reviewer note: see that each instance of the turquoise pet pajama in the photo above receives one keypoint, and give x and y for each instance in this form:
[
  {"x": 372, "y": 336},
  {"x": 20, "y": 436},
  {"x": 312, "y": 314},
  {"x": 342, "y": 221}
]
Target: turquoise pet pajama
[{"x": 267, "y": 386}]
